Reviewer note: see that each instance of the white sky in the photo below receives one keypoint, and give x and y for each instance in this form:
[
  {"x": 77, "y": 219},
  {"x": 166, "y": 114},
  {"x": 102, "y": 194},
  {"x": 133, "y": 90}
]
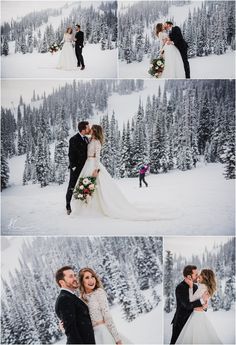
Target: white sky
[
  {"x": 13, "y": 89},
  {"x": 16, "y": 9},
  {"x": 191, "y": 245}
]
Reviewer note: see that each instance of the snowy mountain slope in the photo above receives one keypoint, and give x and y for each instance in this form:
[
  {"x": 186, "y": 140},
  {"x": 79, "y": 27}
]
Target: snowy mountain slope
[{"x": 198, "y": 202}]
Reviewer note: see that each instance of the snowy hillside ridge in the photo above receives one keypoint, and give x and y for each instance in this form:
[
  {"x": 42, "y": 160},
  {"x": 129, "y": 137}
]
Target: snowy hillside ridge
[
  {"x": 221, "y": 260},
  {"x": 208, "y": 28},
  {"x": 37, "y": 31},
  {"x": 130, "y": 269},
  {"x": 197, "y": 118}
]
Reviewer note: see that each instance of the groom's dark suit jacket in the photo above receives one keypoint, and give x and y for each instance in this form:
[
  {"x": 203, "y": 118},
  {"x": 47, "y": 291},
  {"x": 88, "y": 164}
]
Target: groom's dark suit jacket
[
  {"x": 177, "y": 37},
  {"x": 79, "y": 36},
  {"x": 77, "y": 152},
  {"x": 184, "y": 308},
  {"x": 76, "y": 320}
]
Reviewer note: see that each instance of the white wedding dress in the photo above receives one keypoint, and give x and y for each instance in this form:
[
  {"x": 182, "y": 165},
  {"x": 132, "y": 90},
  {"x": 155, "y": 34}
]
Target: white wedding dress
[
  {"x": 106, "y": 332},
  {"x": 107, "y": 200},
  {"x": 198, "y": 328},
  {"x": 67, "y": 59},
  {"x": 174, "y": 66}
]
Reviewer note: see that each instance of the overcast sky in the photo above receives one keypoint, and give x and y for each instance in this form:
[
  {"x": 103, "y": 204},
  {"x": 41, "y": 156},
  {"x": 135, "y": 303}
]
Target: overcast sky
[
  {"x": 191, "y": 245},
  {"x": 16, "y": 9}
]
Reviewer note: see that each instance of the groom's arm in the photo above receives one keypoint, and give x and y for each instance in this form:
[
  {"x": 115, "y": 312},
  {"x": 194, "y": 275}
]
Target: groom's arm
[
  {"x": 176, "y": 35},
  {"x": 68, "y": 317},
  {"x": 184, "y": 299},
  {"x": 72, "y": 153}
]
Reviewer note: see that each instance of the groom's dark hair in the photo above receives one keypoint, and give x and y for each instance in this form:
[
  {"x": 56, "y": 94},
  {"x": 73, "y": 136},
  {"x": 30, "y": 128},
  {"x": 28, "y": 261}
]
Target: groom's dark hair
[
  {"x": 188, "y": 270},
  {"x": 60, "y": 273},
  {"x": 168, "y": 22},
  {"x": 82, "y": 125}
]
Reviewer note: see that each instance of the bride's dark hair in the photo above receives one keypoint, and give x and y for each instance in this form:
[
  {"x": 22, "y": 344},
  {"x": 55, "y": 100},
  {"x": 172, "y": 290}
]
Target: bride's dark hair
[
  {"x": 159, "y": 28},
  {"x": 69, "y": 29},
  {"x": 98, "y": 133},
  {"x": 81, "y": 284},
  {"x": 209, "y": 279}
]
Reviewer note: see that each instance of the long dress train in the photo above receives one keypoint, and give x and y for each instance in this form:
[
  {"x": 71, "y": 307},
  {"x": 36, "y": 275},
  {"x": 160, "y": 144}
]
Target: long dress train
[{"x": 107, "y": 200}]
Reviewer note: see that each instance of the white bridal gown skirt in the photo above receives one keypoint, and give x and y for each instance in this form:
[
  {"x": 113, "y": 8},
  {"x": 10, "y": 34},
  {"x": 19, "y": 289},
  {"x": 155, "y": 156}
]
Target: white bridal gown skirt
[
  {"x": 174, "y": 66},
  {"x": 103, "y": 336},
  {"x": 198, "y": 330},
  {"x": 107, "y": 199},
  {"x": 67, "y": 58}
]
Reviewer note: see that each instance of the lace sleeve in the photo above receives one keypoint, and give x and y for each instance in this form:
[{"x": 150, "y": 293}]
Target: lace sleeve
[
  {"x": 106, "y": 314},
  {"x": 97, "y": 153},
  {"x": 198, "y": 293},
  {"x": 162, "y": 38}
]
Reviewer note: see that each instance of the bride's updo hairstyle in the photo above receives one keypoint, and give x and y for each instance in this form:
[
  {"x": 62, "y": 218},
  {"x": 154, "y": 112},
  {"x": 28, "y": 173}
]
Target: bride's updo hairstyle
[
  {"x": 159, "y": 28},
  {"x": 69, "y": 30},
  {"x": 209, "y": 279},
  {"x": 98, "y": 133},
  {"x": 81, "y": 283}
]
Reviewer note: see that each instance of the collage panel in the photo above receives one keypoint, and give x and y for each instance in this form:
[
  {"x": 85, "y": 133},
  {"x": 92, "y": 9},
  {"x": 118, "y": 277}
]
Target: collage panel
[
  {"x": 199, "y": 290},
  {"x": 176, "y": 39},
  {"x": 165, "y": 163},
  {"x": 118, "y": 280},
  {"x": 59, "y": 39}
]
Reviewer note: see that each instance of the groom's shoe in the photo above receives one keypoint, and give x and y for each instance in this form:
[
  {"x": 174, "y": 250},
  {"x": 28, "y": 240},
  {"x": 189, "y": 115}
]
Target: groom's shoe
[
  {"x": 83, "y": 67},
  {"x": 68, "y": 209}
]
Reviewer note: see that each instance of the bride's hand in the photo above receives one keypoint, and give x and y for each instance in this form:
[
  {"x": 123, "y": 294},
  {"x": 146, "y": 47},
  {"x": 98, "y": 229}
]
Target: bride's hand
[
  {"x": 95, "y": 173},
  {"x": 61, "y": 326},
  {"x": 189, "y": 282}
]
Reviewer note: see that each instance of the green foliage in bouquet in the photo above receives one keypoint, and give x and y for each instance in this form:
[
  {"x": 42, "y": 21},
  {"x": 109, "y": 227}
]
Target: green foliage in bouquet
[
  {"x": 85, "y": 188},
  {"x": 157, "y": 67}
]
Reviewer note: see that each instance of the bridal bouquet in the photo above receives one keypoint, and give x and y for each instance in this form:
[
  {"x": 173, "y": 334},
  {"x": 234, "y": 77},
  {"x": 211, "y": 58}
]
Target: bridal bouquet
[
  {"x": 157, "y": 67},
  {"x": 85, "y": 188},
  {"x": 54, "y": 48}
]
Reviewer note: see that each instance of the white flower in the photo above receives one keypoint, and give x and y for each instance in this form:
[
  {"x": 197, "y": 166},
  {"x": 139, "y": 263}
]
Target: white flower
[
  {"x": 85, "y": 181},
  {"x": 91, "y": 186},
  {"x": 81, "y": 187}
]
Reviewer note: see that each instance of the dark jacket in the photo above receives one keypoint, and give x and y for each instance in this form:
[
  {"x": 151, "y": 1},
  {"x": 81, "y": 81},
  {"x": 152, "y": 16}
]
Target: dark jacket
[
  {"x": 184, "y": 308},
  {"x": 76, "y": 320},
  {"x": 177, "y": 37},
  {"x": 79, "y": 36},
  {"x": 77, "y": 151}
]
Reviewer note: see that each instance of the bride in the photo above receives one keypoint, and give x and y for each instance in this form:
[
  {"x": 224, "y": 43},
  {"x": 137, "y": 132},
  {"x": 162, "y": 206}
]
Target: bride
[
  {"x": 198, "y": 329},
  {"x": 92, "y": 293},
  {"x": 67, "y": 58},
  {"x": 107, "y": 200},
  {"x": 174, "y": 66}
]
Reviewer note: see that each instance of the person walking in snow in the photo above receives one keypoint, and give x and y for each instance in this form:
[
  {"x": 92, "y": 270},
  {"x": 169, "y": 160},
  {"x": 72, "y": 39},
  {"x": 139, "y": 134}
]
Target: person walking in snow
[{"x": 142, "y": 173}]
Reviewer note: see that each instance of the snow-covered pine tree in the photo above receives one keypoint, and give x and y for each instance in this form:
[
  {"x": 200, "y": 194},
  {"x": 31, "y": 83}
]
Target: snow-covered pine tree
[{"x": 169, "y": 283}]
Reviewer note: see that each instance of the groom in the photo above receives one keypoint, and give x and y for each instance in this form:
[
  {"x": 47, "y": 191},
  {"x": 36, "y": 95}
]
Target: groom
[
  {"x": 176, "y": 37},
  {"x": 184, "y": 307},
  {"x": 71, "y": 310},
  {"x": 79, "y": 44},
  {"x": 77, "y": 157}
]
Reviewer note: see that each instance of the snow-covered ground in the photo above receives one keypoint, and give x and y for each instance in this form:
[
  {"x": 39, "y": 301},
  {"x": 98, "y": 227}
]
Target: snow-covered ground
[
  {"x": 206, "y": 67},
  {"x": 98, "y": 64},
  {"x": 197, "y": 202},
  {"x": 223, "y": 322}
]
